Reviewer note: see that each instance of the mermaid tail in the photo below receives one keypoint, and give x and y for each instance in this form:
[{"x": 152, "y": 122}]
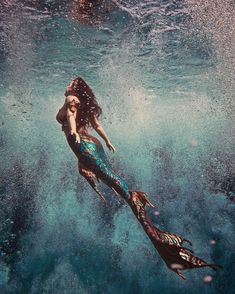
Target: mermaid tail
[
  {"x": 168, "y": 245},
  {"x": 96, "y": 166},
  {"x": 92, "y": 179}
]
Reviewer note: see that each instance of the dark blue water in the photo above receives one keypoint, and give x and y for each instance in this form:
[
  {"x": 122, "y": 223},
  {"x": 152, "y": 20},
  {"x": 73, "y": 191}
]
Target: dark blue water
[{"x": 163, "y": 72}]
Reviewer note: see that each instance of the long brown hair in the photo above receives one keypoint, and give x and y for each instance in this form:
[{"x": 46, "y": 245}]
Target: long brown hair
[{"x": 89, "y": 108}]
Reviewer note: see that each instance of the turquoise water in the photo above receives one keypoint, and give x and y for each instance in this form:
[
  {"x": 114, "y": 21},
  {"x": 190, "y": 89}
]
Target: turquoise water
[{"x": 163, "y": 73}]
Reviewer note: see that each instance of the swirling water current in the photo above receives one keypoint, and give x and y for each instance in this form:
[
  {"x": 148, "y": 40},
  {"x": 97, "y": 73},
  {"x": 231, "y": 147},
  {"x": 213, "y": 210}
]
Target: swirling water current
[{"x": 163, "y": 72}]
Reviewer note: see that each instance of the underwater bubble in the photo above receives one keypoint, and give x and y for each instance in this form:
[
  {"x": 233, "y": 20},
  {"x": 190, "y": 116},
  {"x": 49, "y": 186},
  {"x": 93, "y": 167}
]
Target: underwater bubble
[
  {"x": 212, "y": 242},
  {"x": 156, "y": 212},
  {"x": 207, "y": 279},
  {"x": 176, "y": 266}
]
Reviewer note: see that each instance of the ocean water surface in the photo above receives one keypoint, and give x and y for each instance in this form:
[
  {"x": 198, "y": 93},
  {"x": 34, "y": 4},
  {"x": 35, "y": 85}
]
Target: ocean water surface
[{"x": 163, "y": 73}]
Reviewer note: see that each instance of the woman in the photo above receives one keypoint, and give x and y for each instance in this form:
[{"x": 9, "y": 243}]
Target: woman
[
  {"x": 92, "y": 12},
  {"x": 81, "y": 111}
]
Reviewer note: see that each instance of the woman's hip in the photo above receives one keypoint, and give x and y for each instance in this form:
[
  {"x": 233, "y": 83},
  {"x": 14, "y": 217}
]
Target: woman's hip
[
  {"x": 74, "y": 144},
  {"x": 89, "y": 138},
  {"x": 88, "y": 148}
]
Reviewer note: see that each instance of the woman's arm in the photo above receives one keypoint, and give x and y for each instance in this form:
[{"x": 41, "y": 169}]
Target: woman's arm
[
  {"x": 99, "y": 129},
  {"x": 71, "y": 113},
  {"x": 71, "y": 120}
]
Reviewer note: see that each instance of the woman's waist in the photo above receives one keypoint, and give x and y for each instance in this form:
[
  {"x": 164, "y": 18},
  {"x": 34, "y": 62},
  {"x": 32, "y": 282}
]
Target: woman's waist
[
  {"x": 83, "y": 133},
  {"x": 80, "y": 130},
  {"x": 84, "y": 136}
]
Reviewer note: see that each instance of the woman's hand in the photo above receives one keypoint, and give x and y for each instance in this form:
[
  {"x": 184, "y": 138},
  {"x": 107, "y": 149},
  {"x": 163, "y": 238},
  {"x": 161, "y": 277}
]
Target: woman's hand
[
  {"x": 76, "y": 135},
  {"x": 110, "y": 146}
]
